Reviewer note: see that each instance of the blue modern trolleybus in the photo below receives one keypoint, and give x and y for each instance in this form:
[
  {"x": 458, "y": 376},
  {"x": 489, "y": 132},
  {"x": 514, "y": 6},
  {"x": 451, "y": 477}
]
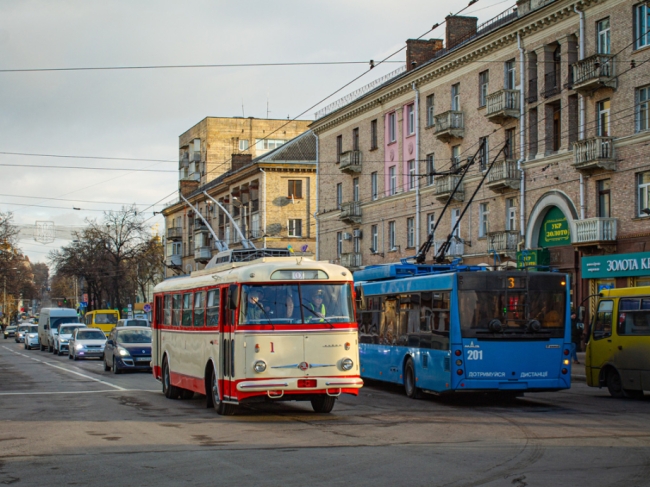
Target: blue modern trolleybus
[{"x": 450, "y": 328}]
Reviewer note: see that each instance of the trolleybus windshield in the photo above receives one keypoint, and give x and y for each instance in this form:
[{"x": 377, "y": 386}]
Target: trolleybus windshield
[
  {"x": 519, "y": 306},
  {"x": 302, "y": 303}
]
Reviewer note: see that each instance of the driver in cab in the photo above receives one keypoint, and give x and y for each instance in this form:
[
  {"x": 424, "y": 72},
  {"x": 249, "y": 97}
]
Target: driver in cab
[
  {"x": 317, "y": 306},
  {"x": 254, "y": 309}
]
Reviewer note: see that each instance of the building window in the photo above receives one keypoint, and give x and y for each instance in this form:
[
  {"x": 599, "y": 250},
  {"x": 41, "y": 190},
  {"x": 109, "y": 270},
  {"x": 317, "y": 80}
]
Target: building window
[
  {"x": 339, "y": 244},
  {"x": 431, "y": 169},
  {"x": 643, "y": 109},
  {"x": 510, "y": 75},
  {"x": 644, "y": 194},
  {"x": 255, "y": 225},
  {"x": 392, "y": 127},
  {"x": 410, "y": 119},
  {"x": 483, "y": 80},
  {"x": 511, "y": 214},
  {"x": 431, "y": 121},
  {"x": 511, "y": 149},
  {"x": 412, "y": 175},
  {"x": 431, "y": 223},
  {"x": 484, "y": 155},
  {"x": 355, "y": 139},
  {"x": 373, "y": 185},
  {"x": 641, "y": 25},
  {"x": 243, "y": 144},
  {"x": 295, "y": 228},
  {"x": 373, "y": 134},
  {"x": 602, "y": 111},
  {"x": 391, "y": 236},
  {"x": 355, "y": 189},
  {"x": 263, "y": 145},
  {"x": 339, "y": 195},
  {"x": 455, "y": 157},
  {"x": 339, "y": 148},
  {"x": 603, "y": 41},
  {"x": 374, "y": 239},
  {"x": 295, "y": 188},
  {"x": 392, "y": 180},
  {"x": 410, "y": 232},
  {"x": 557, "y": 128},
  {"x": 483, "y": 215},
  {"x": 455, "y": 97},
  {"x": 455, "y": 216},
  {"x": 357, "y": 244},
  {"x": 604, "y": 207}
]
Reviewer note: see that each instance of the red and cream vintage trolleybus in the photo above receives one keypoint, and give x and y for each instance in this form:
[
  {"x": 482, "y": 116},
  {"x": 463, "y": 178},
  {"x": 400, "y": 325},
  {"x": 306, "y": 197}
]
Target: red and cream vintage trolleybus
[{"x": 267, "y": 329}]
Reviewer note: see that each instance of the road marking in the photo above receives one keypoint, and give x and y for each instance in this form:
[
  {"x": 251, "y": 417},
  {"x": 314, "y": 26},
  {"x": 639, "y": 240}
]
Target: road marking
[
  {"x": 73, "y": 392},
  {"x": 70, "y": 371}
]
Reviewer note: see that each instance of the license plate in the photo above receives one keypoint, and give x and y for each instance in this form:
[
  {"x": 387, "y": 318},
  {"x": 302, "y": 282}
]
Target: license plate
[{"x": 143, "y": 359}]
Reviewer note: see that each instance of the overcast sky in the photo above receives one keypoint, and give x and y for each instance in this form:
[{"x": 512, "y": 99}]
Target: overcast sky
[{"x": 139, "y": 114}]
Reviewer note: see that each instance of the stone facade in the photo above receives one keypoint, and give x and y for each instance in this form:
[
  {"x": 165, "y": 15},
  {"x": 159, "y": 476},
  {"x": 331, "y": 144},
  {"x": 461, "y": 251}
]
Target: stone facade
[{"x": 588, "y": 164}]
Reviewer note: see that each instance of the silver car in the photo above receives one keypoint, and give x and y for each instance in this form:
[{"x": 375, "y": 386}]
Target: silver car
[
  {"x": 31, "y": 337},
  {"x": 62, "y": 339},
  {"x": 87, "y": 343},
  {"x": 20, "y": 333}
]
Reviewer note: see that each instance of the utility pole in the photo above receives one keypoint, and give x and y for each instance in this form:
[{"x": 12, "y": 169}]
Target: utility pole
[{"x": 4, "y": 300}]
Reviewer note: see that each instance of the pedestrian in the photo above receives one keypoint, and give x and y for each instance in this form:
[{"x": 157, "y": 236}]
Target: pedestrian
[{"x": 576, "y": 336}]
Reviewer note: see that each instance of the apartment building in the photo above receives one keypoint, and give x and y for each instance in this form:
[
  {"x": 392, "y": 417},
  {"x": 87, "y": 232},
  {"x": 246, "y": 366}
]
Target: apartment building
[
  {"x": 269, "y": 201},
  {"x": 545, "y": 107},
  {"x": 205, "y": 150}
]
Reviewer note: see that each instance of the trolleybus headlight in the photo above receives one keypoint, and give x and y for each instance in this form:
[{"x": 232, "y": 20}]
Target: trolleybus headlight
[
  {"x": 566, "y": 361},
  {"x": 260, "y": 366},
  {"x": 347, "y": 364}
]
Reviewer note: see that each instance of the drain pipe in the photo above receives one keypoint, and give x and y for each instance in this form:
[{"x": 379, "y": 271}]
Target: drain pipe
[
  {"x": 417, "y": 161},
  {"x": 264, "y": 206},
  {"x": 317, "y": 199},
  {"x": 581, "y": 123},
  {"x": 522, "y": 139}
]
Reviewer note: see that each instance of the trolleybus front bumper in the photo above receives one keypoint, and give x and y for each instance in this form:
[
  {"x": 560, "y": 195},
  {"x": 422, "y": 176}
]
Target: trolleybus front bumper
[{"x": 330, "y": 385}]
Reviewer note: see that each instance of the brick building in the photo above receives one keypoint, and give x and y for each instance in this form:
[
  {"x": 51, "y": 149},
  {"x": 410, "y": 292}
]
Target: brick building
[
  {"x": 271, "y": 199},
  {"x": 564, "y": 83}
]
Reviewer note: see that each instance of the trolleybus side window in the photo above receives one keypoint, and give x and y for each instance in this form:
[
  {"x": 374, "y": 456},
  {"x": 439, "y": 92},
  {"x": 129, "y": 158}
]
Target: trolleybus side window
[
  {"x": 199, "y": 309},
  {"x": 369, "y": 319},
  {"x": 187, "y": 309},
  {"x": 409, "y": 320},
  {"x": 212, "y": 312},
  {"x": 633, "y": 316},
  {"x": 388, "y": 324},
  {"x": 168, "y": 310},
  {"x": 176, "y": 310},
  {"x": 603, "y": 321}
]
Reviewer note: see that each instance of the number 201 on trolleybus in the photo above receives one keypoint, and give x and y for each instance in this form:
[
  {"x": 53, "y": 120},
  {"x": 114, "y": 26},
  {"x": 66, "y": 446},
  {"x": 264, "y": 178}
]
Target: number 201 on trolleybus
[
  {"x": 445, "y": 329},
  {"x": 272, "y": 329}
]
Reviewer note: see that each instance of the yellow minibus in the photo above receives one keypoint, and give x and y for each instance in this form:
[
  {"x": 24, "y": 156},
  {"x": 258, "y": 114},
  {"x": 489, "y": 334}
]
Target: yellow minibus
[{"x": 104, "y": 319}]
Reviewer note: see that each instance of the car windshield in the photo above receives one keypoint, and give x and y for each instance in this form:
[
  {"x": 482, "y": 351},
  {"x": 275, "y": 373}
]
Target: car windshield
[
  {"x": 33, "y": 329},
  {"x": 60, "y": 320},
  {"x": 68, "y": 330},
  {"x": 296, "y": 304},
  {"x": 90, "y": 335},
  {"x": 23, "y": 328},
  {"x": 105, "y": 318},
  {"x": 134, "y": 336}
]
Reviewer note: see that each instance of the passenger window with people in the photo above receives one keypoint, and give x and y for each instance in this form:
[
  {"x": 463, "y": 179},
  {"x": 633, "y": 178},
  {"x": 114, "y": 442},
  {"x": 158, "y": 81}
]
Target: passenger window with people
[{"x": 603, "y": 320}]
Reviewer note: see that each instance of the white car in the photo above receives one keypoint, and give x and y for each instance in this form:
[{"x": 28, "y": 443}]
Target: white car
[
  {"x": 62, "y": 339},
  {"x": 133, "y": 322},
  {"x": 31, "y": 337},
  {"x": 86, "y": 343}
]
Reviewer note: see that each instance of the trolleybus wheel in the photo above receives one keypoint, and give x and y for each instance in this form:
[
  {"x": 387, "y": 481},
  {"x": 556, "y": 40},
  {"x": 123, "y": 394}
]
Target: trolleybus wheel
[
  {"x": 323, "y": 404},
  {"x": 170, "y": 391},
  {"x": 221, "y": 407},
  {"x": 409, "y": 380},
  {"x": 614, "y": 384}
]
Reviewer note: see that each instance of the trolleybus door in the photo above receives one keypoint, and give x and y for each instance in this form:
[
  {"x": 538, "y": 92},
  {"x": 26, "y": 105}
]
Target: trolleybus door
[
  {"x": 157, "y": 320},
  {"x": 227, "y": 360}
]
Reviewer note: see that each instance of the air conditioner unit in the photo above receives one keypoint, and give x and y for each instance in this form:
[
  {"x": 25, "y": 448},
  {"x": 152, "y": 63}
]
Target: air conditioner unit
[
  {"x": 357, "y": 233},
  {"x": 347, "y": 236}
]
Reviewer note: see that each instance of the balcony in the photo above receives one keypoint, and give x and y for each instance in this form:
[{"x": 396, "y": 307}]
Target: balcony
[
  {"x": 595, "y": 153},
  {"x": 184, "y": 160},
  {"x": 445, "y": 186},
  {"x": 199, "y": 226},
  {"x": 351, "y": 261},
  {"x": 505, "y": 241},
  {"x": 202, "y": 254},
  {"x": 175, "y": 261},
  {"x": 503, "y": 176},
  {"x": 351, "y": 212},
  {"x": 191, "y": 176},
  {"x": 456, "y": 247},
  {"x": 595, "y": 231},
  {"x": 175, "y": 234},
  {"x": 351, "y": 161},
  {"x": 502, "y": 106},
  {"x": 552, "y": 84},
  {"x": 594, "y": 72},
  {"x": 450, "y": 124}
]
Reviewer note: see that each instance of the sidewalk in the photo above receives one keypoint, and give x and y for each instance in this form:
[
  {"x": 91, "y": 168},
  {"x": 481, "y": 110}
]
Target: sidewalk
[{"x": 578, "y": 370}]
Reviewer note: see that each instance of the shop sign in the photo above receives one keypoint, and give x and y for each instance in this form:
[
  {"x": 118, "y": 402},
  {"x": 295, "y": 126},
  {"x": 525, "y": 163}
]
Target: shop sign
[
  {"x": 555, "y": 229},
  {"x": 533, "y": 258},
  {"x": 617, "y": 265}
]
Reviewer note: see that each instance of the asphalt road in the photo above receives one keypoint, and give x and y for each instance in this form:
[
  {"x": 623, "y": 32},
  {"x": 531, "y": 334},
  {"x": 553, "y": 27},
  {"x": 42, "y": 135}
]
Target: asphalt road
[{"x": 71, "y": 423}]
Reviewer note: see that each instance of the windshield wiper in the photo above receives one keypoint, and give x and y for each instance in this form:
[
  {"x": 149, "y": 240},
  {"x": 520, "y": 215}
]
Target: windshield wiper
[
  {"x": 317, "y": 315},
  {"x": 268, "y": 318}
]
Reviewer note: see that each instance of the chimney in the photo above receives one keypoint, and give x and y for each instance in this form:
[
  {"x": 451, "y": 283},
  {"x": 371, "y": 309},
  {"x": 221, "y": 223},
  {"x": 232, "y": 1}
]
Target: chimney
[
  {"x": 240, "y": 160},
  {"x": 459, "y": 29},
  {"x": 187, "y": 186},
  {"x": 419, "y": 51}
]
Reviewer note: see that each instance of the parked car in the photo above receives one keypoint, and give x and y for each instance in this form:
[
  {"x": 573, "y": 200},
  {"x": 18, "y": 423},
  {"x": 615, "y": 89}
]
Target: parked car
[
  {"x": 20, "y": 333},
  {"x": 62, "y": 339},
  {"x": 87, "y": 343},
  {"x": 31, "y": 337},
  {"x": 10, "y": 331},
  {"x": 133, "y": 322},
  {"x": 128, "y": 348}
]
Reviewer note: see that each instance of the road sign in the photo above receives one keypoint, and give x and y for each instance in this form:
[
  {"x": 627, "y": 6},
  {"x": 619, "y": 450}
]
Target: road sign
[
  {"x": 83, "y": 304},
  {"x": 146, "y": 308}
]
